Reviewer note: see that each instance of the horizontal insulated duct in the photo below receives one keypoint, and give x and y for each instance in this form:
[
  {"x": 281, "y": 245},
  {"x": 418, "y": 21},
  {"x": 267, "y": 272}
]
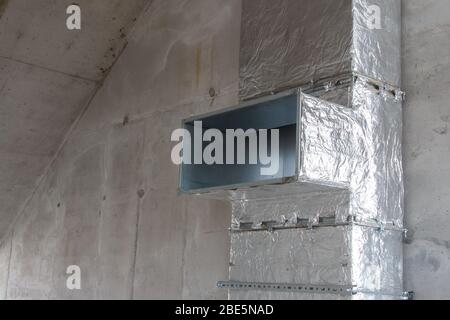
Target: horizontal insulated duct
[
  {"x": 278, "y": 112},
  {"x": 324, "y": 146}
]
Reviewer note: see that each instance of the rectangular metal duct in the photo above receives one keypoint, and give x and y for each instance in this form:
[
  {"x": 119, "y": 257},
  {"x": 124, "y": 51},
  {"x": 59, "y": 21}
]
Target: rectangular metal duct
[
  {"x": 279, "y": 112},
  {"x": 326, "y": 147},
  {"x": 330, "y": 227}
]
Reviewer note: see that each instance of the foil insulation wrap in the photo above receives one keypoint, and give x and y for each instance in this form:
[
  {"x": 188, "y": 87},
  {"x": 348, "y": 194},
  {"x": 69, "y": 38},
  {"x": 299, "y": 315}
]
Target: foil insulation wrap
[
  {"x": 349, "y": 162},
  {"x": 339, "y": 221},
  {"x": 366, "y": 258},
  {"x": 290, "y": 43},
  {"x": 320, "y": 256},
  {"x": 359, "y": 148},
  {"x": 289, "y": 209},
  {"x": 287, "y": 43},
  {"x": 354, "y": 153},
  {"x": 377, "y": 262},
  {"x": 376, "y": 51}
]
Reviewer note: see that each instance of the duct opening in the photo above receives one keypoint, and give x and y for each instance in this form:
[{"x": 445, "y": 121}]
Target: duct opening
[{"x": 279, "y": 113}]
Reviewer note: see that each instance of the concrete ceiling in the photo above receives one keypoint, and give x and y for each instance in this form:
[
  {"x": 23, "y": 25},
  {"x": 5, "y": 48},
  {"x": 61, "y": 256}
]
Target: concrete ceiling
[{"x": 48, "y": 75}]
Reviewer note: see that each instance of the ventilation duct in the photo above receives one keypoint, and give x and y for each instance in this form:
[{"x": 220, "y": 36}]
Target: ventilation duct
[{"x": 329, "y": 224}]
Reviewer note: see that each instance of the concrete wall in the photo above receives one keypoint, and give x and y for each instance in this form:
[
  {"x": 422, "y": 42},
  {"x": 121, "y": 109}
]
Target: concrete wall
[
  {"x": 110, "y": 204},
  {"x": 48, "y": 75},
  {"x": 426, "y": 79}
]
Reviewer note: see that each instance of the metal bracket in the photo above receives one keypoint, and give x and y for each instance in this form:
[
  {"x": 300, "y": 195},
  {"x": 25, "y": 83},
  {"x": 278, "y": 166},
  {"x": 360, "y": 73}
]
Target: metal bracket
[
  {"x": 401, "y": 295},
  {"x": 269, "y": 225},
  {"x": 314, "y": 86},
  {"x": 280, "y": 227},
  {"x": 342, "y": 290},
  {"x": 409, "y": 295},
  {"x": 391, "y": 91},
  {"x": 248, "y": 226},
  {"x": 287, "y": 287},
  {"x": 323, "y": 222}
]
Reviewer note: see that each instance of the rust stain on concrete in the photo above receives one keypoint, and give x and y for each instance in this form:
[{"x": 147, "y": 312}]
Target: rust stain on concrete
[
  {"x": 198, "y": 61},
  {"x": 3, "y": 5}
]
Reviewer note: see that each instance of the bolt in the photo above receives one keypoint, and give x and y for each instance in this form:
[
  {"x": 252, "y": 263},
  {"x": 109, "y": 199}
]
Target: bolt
[
  {"x": 126, "y": 120},
  {"x": 141, "y": 193}
]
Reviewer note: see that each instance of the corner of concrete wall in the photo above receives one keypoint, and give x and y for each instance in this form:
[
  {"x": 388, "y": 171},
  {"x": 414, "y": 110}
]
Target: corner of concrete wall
[{"x": 109, "y": 203}]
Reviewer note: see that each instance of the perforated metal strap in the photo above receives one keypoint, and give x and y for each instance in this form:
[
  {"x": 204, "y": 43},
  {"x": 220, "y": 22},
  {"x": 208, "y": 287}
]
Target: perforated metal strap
[
  {"x": 306, "y": 288},
  {"x": 286, "y": 287}
]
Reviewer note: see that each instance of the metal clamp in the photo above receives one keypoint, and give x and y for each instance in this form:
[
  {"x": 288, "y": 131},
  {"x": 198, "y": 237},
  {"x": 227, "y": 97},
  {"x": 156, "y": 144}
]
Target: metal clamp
[
  {"x": 286, "y": 287},
  {"x": 342, "y": 290}
]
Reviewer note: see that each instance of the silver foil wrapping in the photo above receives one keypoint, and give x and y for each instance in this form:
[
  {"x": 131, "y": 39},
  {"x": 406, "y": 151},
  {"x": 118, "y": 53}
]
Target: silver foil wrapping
[
  {"x": 366, "y": 258},
  {"x": 289, "y": 209},
  {"x": 354, "y": 153},
  {"x": 349, "y": 161},
  {"x": 339, "y": 220},
  {"x": 357, "y": 147},
  {"x": 320, "y": 257},
  {"x": 377, "y": 261},
  {"x": 289, "y": 43},
  {"x": 376, "y": 51}
]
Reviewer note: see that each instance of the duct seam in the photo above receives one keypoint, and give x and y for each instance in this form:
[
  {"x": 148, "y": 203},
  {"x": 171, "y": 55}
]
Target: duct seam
[{"x": 274, "y": 226}]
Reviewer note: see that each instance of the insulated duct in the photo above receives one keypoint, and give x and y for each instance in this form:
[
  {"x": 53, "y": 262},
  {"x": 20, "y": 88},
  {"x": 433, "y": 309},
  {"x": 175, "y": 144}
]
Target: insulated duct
[
  {"x": 349, "y": 233},
  {"x": 332, "y": 229},
  {"x": 291, "y": 43}
]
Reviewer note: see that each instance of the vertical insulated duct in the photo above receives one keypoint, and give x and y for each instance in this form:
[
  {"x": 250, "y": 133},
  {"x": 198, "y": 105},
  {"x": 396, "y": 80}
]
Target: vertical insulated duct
[{"x": 343, "y": 241}]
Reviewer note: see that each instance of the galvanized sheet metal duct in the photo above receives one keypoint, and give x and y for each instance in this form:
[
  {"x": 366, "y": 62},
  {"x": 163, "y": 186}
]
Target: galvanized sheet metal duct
[{"x": 349, "y": 233}]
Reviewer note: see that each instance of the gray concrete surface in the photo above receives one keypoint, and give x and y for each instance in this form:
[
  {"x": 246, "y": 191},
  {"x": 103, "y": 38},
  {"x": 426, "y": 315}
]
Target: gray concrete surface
[
  {"x": 47, "y": 77},
  {"x": 109, "y": 202},
  {"x": 426, "y": 79}
]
